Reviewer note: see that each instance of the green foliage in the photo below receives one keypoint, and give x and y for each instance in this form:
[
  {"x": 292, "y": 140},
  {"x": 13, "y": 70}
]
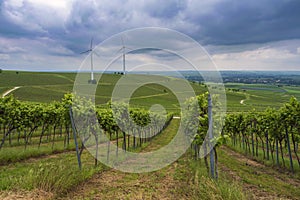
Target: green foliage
[
  {"x": 196, "y": 124},
  {"x": 36, "y": 121},
  {"x": 268, "y": 130}
]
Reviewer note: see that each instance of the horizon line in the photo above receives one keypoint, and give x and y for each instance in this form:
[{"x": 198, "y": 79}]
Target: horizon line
[{"x": 112, "y": 71}]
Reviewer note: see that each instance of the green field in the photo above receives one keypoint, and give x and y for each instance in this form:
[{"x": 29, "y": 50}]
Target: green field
[
  {"x": 260, "y": 96},
  {"x": 47, "y": 87}
]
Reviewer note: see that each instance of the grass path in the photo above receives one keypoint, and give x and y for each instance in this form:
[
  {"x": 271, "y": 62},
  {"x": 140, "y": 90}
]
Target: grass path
[
  {"x": 114, "y": 184},
  {"x": 243, "y": 100},
  {"x": 258, "y": 181},
  {"x": 9, "y": 91}
]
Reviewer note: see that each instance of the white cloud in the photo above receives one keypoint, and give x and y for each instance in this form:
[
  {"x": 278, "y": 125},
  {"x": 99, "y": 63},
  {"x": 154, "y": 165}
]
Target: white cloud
[
  {"x": 10, "y": 46},
  {"x": 40, "y": 46},
  {"x": 50, "y": 46},
  {"x": 263, "y": 58},
  {"x": 32, "y": 58},
  {"x": 263, "y": 53},
  {"x": 57, "y": 4},
  {"x": 36, "y": 15},
  {"x": 266, "y": 53},
  {"x": 4, "y": 57}
]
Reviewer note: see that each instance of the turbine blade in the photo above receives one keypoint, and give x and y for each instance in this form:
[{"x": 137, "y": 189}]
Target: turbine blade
[
  {"x": 129, "y": 48},
  {"x": 122, "y": 41},
  {"x": 86, "y": 51},
  {"x": 91, "y": 47},
  {"x": 121, "y": 49}
]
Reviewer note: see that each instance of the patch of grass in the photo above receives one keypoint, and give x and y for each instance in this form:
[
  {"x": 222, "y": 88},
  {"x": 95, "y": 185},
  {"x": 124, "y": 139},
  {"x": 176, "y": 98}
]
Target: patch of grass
[
  {"x": 11, "y": 78},
  {"x": 4, "y": 89},
  {"x": 58, "y": 177},
  {"x": 55, "y": 174},
  {"x": 259, "y": 177},
  {"x": 164, "y": 137},
  {"x": 195, "y": 183},
  {"x": 210, "y": 189},
  {"x": 16, "y": 154}
]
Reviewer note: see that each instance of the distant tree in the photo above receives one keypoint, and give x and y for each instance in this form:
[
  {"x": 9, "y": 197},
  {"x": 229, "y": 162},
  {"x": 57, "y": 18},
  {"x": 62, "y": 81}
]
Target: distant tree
[
  {"x": 0, "y": 71},
  {"x": 17, "y": 72}
]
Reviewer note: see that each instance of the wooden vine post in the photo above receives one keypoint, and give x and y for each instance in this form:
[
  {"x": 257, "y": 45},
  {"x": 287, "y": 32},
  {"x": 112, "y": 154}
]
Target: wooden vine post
[
  {"x": 210, "y": 137},
  {"x": 75, "y": 137}
]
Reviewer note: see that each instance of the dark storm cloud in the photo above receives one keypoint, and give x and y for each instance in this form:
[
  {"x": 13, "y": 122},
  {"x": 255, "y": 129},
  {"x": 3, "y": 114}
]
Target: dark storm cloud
[
  {"x": 158, "y": 53},
  {"x": 223, "y": 23},
  {"x": 240, "y": 22},
  {"x": 164, "y": 9},
  {"x": 215, "y": 22},
  {"x": 11, "y": 30}
]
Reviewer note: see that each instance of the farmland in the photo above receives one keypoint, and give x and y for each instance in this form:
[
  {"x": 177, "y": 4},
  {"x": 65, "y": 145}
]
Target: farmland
[
  {"x": 42, "y": 163},
  {"x": 47, "y": 87}
]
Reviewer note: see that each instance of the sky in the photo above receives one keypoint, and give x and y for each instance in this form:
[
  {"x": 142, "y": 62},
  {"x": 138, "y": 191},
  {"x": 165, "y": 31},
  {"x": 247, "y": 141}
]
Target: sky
[{"x": 238, "y": 35}]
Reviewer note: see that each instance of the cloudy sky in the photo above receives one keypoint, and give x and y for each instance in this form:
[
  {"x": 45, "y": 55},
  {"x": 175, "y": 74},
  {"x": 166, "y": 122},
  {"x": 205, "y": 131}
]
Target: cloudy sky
[{"x": 239, "y": 35}]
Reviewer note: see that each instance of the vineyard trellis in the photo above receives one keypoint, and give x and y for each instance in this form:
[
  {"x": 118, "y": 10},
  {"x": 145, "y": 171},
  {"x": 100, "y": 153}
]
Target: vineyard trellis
[
  {"x": 275, "y": 132},
  {"x": 48, "y": 123},
  {"x": 206, "y": 122},
  {"x": 118, "y": 120}
]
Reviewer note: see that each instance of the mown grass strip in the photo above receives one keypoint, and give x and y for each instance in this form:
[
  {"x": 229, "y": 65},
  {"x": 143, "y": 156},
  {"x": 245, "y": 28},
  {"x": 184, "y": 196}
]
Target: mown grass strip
[{"x": 263, "y": 178}]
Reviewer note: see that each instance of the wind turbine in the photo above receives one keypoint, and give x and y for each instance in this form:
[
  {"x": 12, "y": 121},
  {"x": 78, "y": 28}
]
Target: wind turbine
[
  {"x": 91, "y": 50},
  {"x": 123, "y": 49}
]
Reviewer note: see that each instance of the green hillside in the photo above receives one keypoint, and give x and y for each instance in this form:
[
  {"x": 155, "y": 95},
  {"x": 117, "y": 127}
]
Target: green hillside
[{"x": 51, "y": 86}]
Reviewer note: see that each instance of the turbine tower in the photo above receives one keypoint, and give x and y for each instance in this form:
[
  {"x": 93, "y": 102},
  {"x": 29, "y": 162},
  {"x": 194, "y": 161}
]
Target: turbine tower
[
  {"x": 91, "y": 50},
  {"x": 123, "y": 49}
]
